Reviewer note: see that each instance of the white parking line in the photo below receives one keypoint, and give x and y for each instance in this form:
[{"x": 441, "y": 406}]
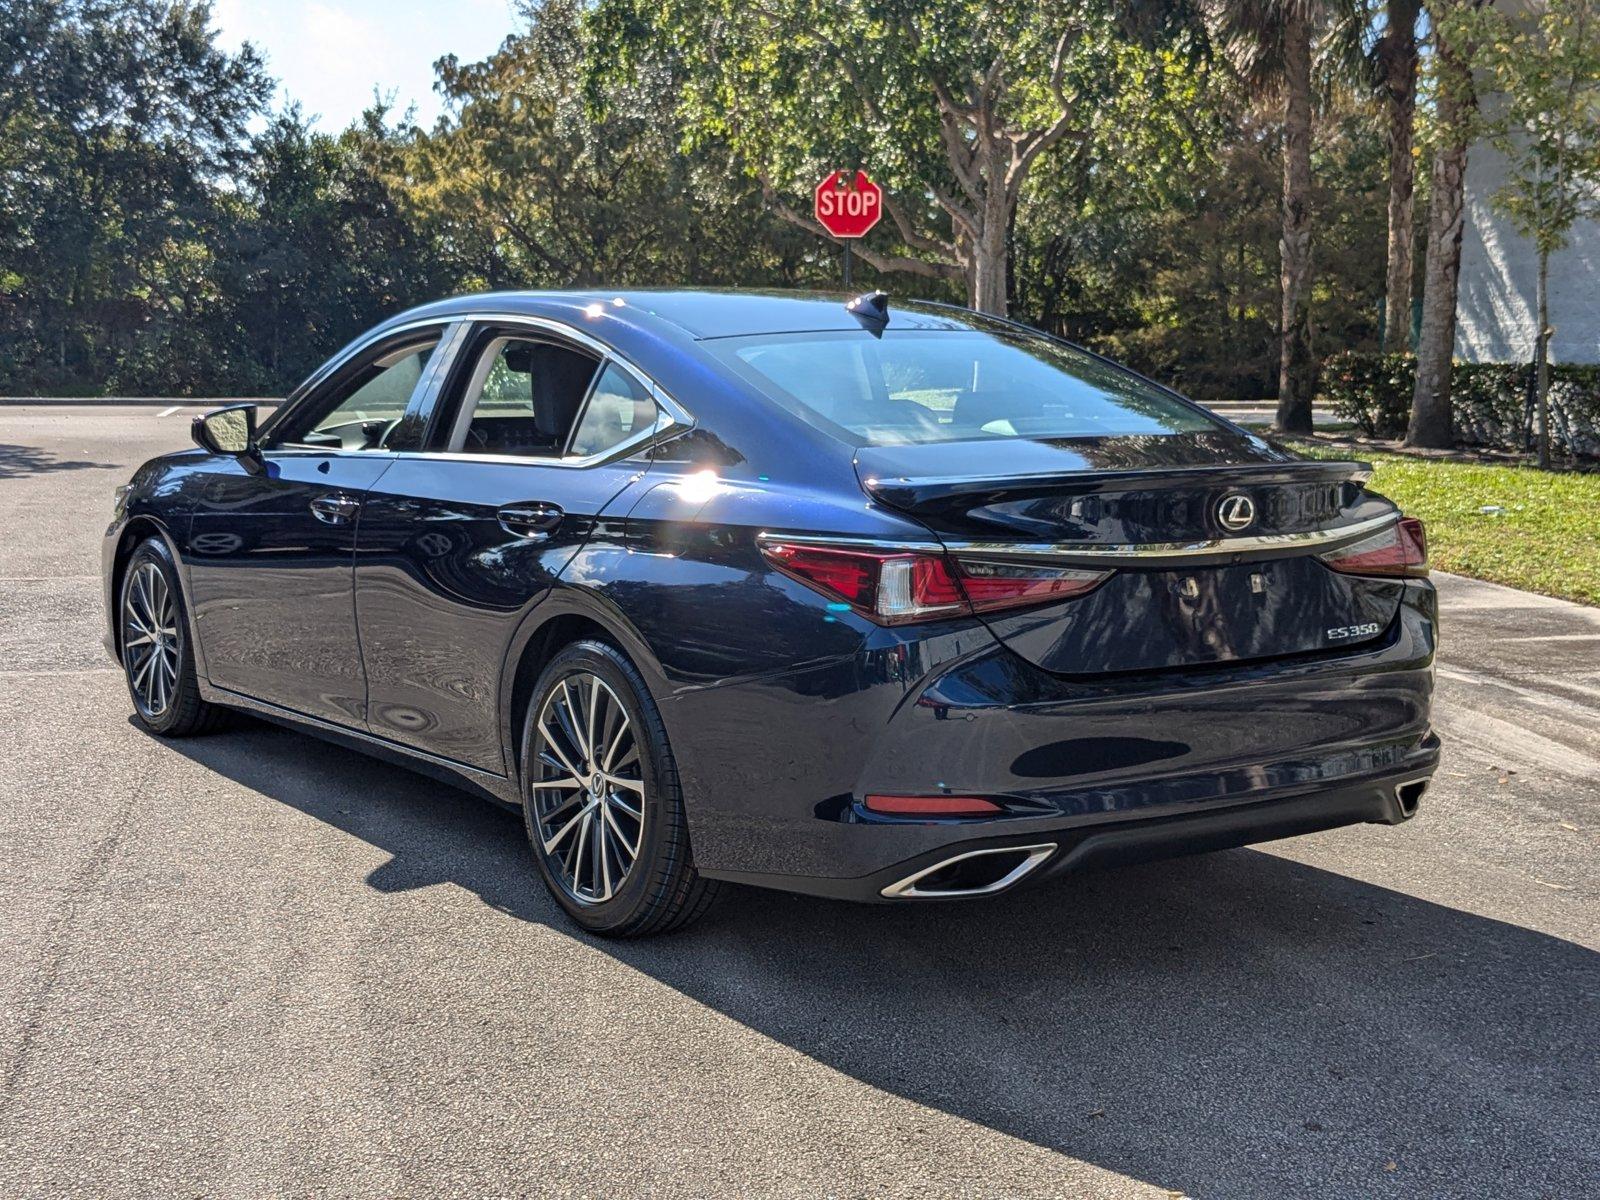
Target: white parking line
[{"x": 167, "y": 412}]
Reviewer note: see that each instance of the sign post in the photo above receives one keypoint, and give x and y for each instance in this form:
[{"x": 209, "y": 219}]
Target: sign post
[{"x": 847, "y": 205}]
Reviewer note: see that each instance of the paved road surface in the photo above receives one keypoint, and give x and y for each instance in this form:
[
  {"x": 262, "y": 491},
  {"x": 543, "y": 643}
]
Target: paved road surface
[{"x": 255, "y": 964}]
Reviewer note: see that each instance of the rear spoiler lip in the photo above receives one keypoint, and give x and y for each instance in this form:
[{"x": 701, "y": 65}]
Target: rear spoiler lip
[
  {"x": 913, "y": 492},
  {"x": 1110, "y": 556}
]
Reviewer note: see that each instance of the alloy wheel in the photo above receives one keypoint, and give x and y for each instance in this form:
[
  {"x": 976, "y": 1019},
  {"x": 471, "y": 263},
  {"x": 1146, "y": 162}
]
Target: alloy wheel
[
  {"x": 150, "y": 639},
  {"x": 587, "y": 788}
]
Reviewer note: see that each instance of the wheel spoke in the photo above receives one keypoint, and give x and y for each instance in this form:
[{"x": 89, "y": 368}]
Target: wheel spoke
[
  {"x": 551, "y": 843},
  {"x": 587, "y": 819},
  {"x": 594, "y": 700},
  {"x": 618, "y": 802},
  {"x": 601, "y": 854},
  {"x": 563, "y": 806},
  {"x": 136, "y": 597},
  {"x": 143, "y": 671},
  {"x": 607, "y": 764},
  {"x": 631, "y": 847},
  {"x": 570, "y": 723},
  {"x": 561, "y": 756},
  {"x": 570, "y": 781},
  {"x": 633, "y": 785}
]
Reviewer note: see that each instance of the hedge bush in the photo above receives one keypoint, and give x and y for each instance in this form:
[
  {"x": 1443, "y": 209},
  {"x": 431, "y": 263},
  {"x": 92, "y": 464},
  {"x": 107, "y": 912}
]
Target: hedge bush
[{"x": 1492, "y": 404}]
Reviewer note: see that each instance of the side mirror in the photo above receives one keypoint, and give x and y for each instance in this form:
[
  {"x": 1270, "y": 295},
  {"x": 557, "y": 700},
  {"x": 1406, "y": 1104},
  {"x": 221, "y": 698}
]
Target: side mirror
[{"x": 231, "y": 431}]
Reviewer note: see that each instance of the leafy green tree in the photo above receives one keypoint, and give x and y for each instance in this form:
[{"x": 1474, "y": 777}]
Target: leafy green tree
[
  {"x": 119, "y": 123},
  {"x": 952, "y": 104},
  {"x": 312, "y": 247},
  {"x": 1455, "y": 119},
  {"x": 1545, "y": 64},
  {"x": 534, "y": 179}
]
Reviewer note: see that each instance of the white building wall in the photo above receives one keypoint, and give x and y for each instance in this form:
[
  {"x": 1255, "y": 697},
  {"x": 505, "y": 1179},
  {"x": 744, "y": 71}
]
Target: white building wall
[{"x": 1496, "y": 312}]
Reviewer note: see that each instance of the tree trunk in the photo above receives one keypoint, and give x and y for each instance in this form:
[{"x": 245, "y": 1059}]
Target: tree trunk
[
  {"x": 1542, "y": 359},
  {"x": 1297, "y": 369},
  {"x": 1441, "y": 276},
  {"x": 986, "y": 266},
  {"x": 1397, "y": 55}
]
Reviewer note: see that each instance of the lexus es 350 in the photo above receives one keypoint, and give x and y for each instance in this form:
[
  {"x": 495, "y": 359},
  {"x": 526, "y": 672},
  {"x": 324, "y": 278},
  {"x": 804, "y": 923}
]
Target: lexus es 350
[{"x": 882, "y": 601}]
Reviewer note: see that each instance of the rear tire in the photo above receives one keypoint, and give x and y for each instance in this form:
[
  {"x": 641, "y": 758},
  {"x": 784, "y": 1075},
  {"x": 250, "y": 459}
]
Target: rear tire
[
  {"x": 157, "y": 657},
  {"x": 601, "y": 802}
]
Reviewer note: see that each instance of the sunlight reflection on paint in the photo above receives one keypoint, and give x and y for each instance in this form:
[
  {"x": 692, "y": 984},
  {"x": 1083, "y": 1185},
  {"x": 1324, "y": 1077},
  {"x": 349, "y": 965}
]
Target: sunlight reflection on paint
[
  {"x": 593, "y": 310},
  {"x": 700, "y": 487}
]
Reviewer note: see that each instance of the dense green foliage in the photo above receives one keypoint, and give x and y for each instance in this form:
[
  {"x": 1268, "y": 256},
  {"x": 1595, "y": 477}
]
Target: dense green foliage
[
  {"x": 162, "y": 231},
  {"x": 1492, "y": 403}
]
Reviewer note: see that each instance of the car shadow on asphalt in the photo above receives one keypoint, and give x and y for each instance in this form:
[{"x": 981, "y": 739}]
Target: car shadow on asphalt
[{"x": 1232, "y": 1025}]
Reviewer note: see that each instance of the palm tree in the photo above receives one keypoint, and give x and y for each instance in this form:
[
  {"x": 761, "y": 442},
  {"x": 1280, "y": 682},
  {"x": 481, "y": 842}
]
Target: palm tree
[
  {"x": 1270, "y": 43},
  {"x": 1395, "y": 60},
  {"x": 1441, "y": 274}
]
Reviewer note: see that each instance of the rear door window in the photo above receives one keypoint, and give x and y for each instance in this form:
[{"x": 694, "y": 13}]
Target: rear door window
[{"x": 522, "y": 399}]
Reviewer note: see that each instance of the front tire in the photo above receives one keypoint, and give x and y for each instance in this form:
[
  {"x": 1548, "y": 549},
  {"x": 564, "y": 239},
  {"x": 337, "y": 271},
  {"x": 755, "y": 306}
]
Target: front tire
[
  {"x": 157, "y": 658},
  {"x": 601, "y": 801}
]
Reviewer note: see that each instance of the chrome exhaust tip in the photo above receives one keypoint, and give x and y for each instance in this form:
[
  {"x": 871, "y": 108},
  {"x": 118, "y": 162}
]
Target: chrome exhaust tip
[
  {"x": 975, "y": 873},
  {"x": 1408, "y": 796}
]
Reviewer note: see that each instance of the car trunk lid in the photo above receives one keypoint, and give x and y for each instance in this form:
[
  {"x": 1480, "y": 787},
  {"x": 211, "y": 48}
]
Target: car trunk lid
[{"x": 1211, "y": 541}]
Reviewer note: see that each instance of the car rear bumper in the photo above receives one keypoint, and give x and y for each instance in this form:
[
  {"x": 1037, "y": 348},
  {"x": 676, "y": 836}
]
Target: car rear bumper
[
  {"x": 776, "y": 771},
  {"x": 980, "y": 866}
]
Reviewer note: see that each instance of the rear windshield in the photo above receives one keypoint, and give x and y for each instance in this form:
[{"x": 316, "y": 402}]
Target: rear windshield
[{"x": 943, "y": 386}]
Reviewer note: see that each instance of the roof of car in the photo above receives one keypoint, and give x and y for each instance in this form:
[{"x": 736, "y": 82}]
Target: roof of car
[{"x": 718, "y": 313}]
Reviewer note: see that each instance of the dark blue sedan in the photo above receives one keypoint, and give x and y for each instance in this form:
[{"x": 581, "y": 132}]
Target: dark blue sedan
[{"x": 882, "y": 601}]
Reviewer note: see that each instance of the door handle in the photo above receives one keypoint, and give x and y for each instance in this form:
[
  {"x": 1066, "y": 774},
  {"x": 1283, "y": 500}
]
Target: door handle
[
  {"x": 335, "y": 509},
  {"x": 535, "y": 520}
]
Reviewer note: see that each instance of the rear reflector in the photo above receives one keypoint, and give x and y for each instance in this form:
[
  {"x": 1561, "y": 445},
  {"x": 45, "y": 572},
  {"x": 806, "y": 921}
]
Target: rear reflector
[
  {"x": 932, "y": 806},
  {"x": 892, "y": 587},
  {"x": 1402, "y": 549}
]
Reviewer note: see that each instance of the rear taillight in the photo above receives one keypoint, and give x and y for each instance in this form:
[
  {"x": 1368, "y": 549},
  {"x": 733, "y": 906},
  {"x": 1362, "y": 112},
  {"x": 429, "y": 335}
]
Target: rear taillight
[
  {"x": 1401, "y": 549},
  {"x": 892, "y": 587}
]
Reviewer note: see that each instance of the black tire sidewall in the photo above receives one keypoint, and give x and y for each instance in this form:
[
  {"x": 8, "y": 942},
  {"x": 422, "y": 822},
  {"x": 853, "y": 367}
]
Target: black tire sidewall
[{"x": 602, "y": 660}]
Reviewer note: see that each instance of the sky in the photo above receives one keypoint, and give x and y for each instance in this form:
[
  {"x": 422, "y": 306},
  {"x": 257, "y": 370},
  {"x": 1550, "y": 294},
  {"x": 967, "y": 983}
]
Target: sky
[{"x": 330, "y": 54}]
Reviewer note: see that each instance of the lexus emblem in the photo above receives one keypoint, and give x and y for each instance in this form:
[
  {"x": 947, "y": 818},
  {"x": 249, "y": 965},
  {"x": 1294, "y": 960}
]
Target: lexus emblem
[{"x": 1236, "y": 512}]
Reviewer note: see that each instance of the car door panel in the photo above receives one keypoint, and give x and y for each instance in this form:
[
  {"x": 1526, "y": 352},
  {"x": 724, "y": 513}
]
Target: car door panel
[
  {"x": 270, "y": 558},
  {"x": 453, "y": 551}
]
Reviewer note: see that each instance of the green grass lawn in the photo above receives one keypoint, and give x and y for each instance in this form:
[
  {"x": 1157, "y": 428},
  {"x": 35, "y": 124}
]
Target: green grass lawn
[{"x": 1547, "y": 539}]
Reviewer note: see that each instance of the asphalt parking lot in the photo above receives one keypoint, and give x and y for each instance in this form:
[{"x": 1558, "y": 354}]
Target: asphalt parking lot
[{"x": 258, "y": 964}]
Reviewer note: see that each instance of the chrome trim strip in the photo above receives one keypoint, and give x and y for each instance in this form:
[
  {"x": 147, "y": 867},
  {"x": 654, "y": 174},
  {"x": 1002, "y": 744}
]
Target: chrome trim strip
[
  {"x": 906, "y": 889},
  {"x": 810, "y": 539},
  {"x": 1101, "y": 554},
  {"x": 1159, "y": 550}
]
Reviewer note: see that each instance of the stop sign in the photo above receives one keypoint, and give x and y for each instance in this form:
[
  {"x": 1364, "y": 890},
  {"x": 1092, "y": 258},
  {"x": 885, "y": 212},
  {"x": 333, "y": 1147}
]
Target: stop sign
[{"x": 848, "y": 206}]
